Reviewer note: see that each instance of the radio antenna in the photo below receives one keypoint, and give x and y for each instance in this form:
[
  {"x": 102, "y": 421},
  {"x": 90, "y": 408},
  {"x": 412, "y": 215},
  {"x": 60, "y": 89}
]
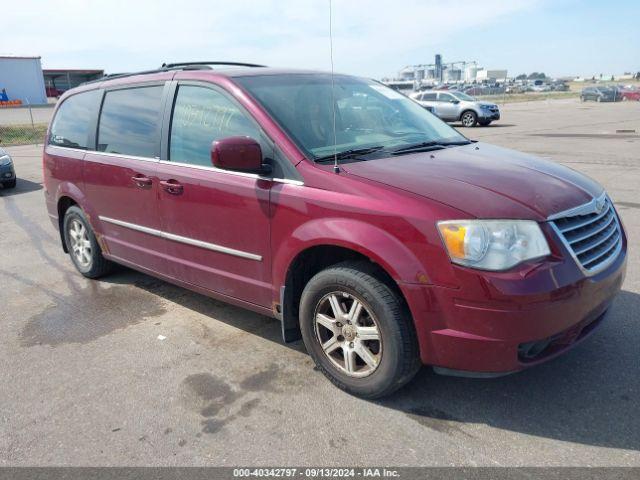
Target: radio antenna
[{"x": 336, "y": 168}]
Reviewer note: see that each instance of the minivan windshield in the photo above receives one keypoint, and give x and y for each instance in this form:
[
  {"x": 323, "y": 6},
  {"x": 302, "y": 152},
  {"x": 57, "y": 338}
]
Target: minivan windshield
[{"x": 369, "y": 117}]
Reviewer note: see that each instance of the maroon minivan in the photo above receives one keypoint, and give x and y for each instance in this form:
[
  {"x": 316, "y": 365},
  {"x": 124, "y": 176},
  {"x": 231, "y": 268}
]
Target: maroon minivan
[{"x": 419, "y": 247}]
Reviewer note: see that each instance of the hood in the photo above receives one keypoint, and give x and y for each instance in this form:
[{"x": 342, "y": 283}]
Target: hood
[
  {"x": 480, "y": 102},
  {"x": 484, "y": 181}
]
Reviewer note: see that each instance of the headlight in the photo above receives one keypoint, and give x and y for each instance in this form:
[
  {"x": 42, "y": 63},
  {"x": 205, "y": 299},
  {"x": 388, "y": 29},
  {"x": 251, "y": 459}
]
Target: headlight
[
  {"x": 486, "y": 107},
  {"x": 493, "y": 244},
  {"x": 5, "y": 160}
]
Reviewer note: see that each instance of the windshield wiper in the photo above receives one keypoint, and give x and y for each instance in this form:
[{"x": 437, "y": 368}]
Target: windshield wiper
[
  {"x": 351, "y": 153},
  {"x": 419, "y": 147},
  {"x": 428, "y": 146}
]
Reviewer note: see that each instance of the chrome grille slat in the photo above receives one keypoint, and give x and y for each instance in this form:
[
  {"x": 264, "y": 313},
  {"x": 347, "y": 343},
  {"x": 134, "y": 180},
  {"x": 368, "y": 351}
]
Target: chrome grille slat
[
  {"x": 594, "y": 239},
  {"x": 593, "y": 244},
  {"x": 595, "y": 255},
  {"x": 590, "y": 233},
  {"x": 583, "y": 223}
]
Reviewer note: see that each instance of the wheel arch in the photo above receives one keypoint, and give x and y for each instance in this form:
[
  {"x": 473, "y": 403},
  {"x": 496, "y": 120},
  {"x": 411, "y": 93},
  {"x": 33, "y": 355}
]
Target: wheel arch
[
  {"x": 64, "y": 202},
  {"x": 67, "y": 195},
  {"x": 298, "y": 261}
]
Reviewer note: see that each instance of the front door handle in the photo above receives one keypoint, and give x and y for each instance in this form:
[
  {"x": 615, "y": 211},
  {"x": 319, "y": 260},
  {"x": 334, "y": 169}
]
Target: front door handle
[
  {"x": 172, "y": 186},
  {"x": 141, "y": 181}
]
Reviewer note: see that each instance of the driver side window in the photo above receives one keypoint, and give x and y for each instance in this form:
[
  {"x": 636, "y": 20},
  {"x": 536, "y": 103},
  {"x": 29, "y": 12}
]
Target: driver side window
[
  {"x": 445, "y": 97},
  {"x": 200, "y": 116}
]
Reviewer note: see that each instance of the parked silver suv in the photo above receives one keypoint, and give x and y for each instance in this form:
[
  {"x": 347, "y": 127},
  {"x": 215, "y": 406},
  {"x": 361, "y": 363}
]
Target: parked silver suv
[{"x": 454, "y": 106}]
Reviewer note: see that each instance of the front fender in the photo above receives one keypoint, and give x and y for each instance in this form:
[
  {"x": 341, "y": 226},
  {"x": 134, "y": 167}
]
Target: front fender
[{"x": 377, "y": 244}]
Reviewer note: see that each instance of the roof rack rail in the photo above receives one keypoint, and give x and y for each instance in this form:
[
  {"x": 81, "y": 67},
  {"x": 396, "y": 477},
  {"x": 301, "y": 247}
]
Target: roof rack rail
[
  {"x": 173, "y": 66},
  {"x": 114, "y": 76},
  {"x": 231, "y": 64}
]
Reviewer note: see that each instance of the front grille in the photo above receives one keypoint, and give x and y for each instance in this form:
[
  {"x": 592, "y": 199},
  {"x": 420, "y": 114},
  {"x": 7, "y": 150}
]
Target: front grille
[{"x": 593, "y": 238}]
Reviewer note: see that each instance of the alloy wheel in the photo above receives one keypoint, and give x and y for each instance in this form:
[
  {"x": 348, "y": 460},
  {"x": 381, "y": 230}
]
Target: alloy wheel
[
  {"x": 80, "y": 243},
  {"x": 348, "y": 334},
  {"x": 467, "y": 119}
]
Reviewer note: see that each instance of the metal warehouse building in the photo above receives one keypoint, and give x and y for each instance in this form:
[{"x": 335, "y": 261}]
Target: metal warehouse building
[
  {"x": 61, "y": 80},
  {"x": 21, "y": 79}
]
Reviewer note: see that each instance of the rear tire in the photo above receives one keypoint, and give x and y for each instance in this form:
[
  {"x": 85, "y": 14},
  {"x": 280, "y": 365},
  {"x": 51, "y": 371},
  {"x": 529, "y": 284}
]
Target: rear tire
[
  {"x": 469, "y": 118},
  {"x": 342, "y": 305},
  {"x": 84, "y": 250},
  {"x": 9, "y": 184}
]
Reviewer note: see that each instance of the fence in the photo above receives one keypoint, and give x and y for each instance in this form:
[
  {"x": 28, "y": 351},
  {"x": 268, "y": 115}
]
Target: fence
[{"x": 23, "y": 125}]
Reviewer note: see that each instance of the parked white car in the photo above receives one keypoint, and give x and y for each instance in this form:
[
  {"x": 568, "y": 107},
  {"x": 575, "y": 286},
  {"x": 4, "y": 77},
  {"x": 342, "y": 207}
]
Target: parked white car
[{"x": 454, "y": 106}]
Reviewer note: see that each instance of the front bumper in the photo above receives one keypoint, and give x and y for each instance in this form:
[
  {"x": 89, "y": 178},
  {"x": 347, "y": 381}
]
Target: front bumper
[
  {"x": 489, "y": 115},
  {"x": 498, "y": 323},
  {"x": 7, "y": 173}
]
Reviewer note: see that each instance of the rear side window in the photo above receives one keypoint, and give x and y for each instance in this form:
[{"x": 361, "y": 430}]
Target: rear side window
[
  {"x": 129, "y": 121},
  {"x": 200, "y": 116},
  {"x": 430, "y": 97},
  {"x": 70, "y": 127}
]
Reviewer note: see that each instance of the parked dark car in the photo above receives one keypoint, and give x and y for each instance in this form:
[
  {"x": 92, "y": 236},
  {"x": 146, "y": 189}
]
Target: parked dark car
[
  {"x": 599, "y": 94},
  {"x": 420, "y": 247},
  {"x": 476, "y": 90},
  {"x": 7, "y": 170}
]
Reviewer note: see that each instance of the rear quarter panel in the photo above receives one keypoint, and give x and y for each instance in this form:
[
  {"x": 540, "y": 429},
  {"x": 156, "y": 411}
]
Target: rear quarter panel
[{"x": 62, "y": 171}]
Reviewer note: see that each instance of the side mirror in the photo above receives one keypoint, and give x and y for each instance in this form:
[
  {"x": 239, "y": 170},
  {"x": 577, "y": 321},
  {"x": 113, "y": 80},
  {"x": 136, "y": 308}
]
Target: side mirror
[
  {"x": 455, "y": 102},
  {"x": 242, "y": 154}
]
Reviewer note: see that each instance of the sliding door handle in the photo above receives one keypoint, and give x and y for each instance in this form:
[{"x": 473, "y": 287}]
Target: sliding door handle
[
  {"x": 172, "y": 186},
  {"x": 141, "y": 181}
]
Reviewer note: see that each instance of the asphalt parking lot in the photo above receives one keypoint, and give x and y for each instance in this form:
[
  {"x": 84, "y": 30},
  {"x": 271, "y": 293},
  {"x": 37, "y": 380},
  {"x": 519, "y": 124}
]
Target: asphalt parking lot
[{"x": 86, "y": 379}]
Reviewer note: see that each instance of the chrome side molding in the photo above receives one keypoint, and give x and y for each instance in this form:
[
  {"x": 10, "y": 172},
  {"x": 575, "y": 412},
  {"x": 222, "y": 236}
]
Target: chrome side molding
[
  {"x": 255, "y": 176},
  {"x": 186, "y": 240}
]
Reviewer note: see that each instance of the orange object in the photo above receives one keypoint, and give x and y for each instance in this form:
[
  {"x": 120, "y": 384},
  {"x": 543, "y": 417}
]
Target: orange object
[{"x": 453, "y": 236}]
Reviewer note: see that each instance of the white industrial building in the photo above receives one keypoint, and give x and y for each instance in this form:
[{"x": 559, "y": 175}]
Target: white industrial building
[
  {"x": 484, "y": 74},
  {"x": 451, "y": 72},
  {"x": 21, "y": 79}
]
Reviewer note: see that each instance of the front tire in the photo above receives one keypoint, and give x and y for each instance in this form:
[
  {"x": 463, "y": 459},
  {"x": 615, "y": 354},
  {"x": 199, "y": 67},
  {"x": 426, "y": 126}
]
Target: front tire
[
  {"x": 485, "y": 123},
  {"x": 358, "y": 330},
  {"x": 9, "y": 184},
  {"x": 83, "y": 247},
  {"x": 469, "y": 118}
]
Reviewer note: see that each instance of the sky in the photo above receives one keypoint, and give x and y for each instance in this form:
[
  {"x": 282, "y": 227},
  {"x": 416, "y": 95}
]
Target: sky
[{"x": 374, "y": 38}]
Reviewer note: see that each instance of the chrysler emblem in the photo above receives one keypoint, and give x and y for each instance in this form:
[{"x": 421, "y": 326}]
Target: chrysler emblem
[{"x": 600, "y": 202}]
